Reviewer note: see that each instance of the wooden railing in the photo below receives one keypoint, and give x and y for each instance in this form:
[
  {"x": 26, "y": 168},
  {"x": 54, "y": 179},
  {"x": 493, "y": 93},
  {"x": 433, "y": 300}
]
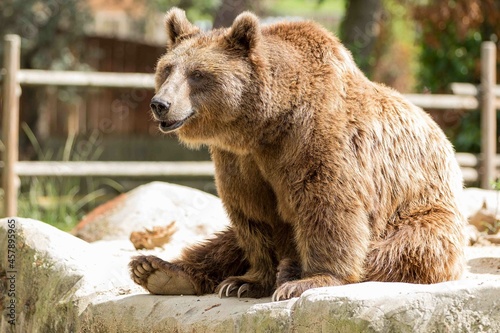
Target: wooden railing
[{"x": 468, "y": 97}]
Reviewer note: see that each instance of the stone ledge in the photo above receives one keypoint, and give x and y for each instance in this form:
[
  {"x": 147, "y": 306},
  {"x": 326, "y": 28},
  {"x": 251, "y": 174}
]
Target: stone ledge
[{"x": 65, "y": 284}]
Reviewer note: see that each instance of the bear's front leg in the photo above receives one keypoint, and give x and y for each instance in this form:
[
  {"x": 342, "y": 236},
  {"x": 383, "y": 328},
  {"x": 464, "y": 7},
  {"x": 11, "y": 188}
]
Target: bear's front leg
[
  {"x": 332, "y": 239},
  {"x": 255, "y": 239}
]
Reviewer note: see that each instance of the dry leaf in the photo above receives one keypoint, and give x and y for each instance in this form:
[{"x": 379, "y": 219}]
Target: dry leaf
[{"x": 149, "y": 239}]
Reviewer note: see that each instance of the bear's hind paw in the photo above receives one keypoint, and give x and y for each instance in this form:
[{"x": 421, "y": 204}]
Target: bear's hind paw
[{"x": 160, "y": 277}]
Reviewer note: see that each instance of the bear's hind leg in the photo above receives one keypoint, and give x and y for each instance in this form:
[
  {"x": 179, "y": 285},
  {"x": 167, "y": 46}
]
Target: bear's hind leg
[
  {"x": 423, "y": 247},
  {"x": 198, "y": 271}
]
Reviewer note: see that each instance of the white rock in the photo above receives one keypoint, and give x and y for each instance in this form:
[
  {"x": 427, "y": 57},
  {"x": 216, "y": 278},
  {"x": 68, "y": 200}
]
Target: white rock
[
  {"x": 64, "y": 284},
  {"x": 463, "y": 306},
  {"x": 196, "y": 214},
  {"x": 472, "y": 199}
]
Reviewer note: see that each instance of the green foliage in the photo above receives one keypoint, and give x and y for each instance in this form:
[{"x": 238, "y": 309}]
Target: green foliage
[
  {"x": 196, "y": 9},
  {"x": 495, "y": 185},
  {"x": 451, "y": 33},
  {"x": 466, "y": 135},
  {"x": 50, "y": 30},
  {"x": 453, "y": 60},
  {"x": 60, "y": 201},
  {"x": 307, "y": 8},
  {"x": 206, "y": 9}
]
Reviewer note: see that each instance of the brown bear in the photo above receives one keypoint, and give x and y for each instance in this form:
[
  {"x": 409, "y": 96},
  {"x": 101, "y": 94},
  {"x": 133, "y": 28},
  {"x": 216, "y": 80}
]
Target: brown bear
[{"x": 327, "y": 177}]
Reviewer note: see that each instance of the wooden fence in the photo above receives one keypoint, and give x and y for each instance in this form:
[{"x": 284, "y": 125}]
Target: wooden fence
[{"x": 468, "y": 97}]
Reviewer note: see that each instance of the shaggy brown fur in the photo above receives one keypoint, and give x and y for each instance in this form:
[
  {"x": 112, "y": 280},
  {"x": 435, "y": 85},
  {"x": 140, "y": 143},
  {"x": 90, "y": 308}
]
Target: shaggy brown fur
[{"x": 327, "y": 178}]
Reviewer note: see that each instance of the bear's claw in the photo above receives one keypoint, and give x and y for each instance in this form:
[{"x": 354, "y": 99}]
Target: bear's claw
[
  {"x": 228, "y": 289},
  {"x": 286, "y": 291},
  {"x": 242, "y": 288}
]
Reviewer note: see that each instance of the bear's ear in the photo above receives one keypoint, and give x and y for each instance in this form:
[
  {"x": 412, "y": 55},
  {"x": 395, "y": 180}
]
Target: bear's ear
[
  {"x": 178, "y": 27},
  {"x": 245, "y": 32}
]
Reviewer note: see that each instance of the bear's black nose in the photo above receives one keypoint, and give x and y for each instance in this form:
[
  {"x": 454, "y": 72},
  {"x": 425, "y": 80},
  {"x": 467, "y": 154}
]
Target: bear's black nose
[{"x": 160, "y": 108}]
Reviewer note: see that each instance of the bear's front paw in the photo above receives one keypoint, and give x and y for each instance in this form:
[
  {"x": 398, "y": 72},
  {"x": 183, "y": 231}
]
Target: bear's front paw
[
  {"x": 289, "y": 290},
  {"x": 242, "y": 287},
  {"x": 160, "y": 277}
]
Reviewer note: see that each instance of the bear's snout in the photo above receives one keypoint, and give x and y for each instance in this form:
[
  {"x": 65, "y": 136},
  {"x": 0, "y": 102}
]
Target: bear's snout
[{"x": 159, "y": 108}]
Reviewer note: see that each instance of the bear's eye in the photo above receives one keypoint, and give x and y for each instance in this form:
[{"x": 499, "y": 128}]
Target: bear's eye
[
  {"x": 196, "y": 75},
  {"x": 167, "y": 70}
]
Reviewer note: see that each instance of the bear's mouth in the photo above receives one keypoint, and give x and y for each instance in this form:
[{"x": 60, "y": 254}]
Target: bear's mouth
[{"x": 171, "y": 125}]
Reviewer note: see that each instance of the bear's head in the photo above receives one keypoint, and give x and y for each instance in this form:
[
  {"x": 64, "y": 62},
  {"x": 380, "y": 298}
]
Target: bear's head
[{"x": 206, "y": 82}]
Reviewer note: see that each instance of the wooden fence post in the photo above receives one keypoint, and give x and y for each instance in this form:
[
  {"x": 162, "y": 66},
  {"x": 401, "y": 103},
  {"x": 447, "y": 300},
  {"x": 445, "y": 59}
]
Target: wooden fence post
[
  {"x": 488, "y": 114},
  {"x": 11, "y": 92}
]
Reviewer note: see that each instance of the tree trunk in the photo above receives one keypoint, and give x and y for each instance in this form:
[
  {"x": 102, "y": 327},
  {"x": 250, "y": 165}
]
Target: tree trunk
[
  {"x": 229, "y": 9},
  {"x": 360, "y": 28}
]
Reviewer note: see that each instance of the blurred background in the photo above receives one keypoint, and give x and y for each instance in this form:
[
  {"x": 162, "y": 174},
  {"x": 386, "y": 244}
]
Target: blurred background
[{"x": 415, "y": 46}]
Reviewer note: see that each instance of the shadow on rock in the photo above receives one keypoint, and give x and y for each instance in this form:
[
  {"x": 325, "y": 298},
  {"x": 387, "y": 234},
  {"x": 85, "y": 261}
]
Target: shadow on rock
[{"x": 485, "y": 265}]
